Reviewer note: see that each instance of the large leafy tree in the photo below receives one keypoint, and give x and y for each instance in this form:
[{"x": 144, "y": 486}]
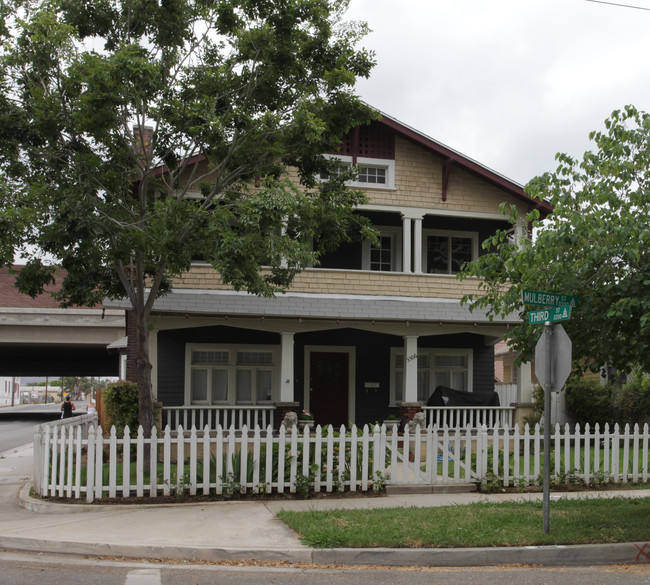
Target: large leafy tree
[
  {"x": 136, "y": 135},
  {"x": 595, "y": 244}
]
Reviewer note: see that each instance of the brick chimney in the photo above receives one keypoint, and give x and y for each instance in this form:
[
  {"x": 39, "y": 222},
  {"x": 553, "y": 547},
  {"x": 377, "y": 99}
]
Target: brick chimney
[{"x": 142, "y": 138}]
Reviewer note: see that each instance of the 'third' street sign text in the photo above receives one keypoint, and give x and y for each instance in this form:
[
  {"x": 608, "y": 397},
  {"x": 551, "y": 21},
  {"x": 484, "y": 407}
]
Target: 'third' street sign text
[
  {"x": 544, "y": 299},
  {"x": 551, "y": 315}
]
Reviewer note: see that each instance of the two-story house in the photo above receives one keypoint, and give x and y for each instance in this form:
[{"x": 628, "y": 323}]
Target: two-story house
[{"x": 372, "y": 330}]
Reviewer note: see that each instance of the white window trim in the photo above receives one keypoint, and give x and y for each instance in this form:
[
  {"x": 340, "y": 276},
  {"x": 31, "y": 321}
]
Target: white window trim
[
  {"x": 396, "y": 257},
  {"x": 232, "y": 367},
  {"x": 449, "y": 233},
  {"x": 362, "y": 161},
  {"x": 431, "y": 352}
]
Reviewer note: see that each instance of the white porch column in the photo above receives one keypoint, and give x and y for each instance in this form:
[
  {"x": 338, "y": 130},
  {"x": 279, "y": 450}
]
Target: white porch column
[
  {"x": 286, "y": 368},
  {"x": 417, "y": 245},
  {"x": 525, "y": 383},
  {"x": 410, "y": 369},
  {"x": 521, "y": 233},
  {"x": 406, "y": 244}
]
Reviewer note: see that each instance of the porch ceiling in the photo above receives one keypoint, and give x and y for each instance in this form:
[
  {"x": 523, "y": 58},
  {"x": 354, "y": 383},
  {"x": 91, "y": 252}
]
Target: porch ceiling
[{"x": 344, "y": 307}]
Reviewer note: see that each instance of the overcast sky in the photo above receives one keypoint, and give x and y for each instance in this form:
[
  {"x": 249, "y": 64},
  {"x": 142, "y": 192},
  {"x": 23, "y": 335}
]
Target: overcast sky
[{"x": 508, "y": 83}]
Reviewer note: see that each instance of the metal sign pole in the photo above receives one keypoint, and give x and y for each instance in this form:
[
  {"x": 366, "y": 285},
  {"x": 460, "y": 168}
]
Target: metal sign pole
[{"x": 548, "y": 388}]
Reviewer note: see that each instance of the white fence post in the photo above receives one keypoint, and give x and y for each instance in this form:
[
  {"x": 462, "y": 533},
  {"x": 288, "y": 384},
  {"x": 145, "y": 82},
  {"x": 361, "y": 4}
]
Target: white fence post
[{"x": 126, "y": 462}]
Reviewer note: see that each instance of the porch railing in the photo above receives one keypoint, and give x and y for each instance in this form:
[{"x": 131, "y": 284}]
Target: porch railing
[
  {"x": 215, "y": 416},
  {"x": 473, "y": 416}
]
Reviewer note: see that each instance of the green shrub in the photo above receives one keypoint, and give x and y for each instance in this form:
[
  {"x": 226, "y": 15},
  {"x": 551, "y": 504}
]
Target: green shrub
[
  {"x": 589, "y": 402},
  {"x": 121, "y": 402},
  {"x": 538, "y": 407},
  {"x": 631, "y": 402}
]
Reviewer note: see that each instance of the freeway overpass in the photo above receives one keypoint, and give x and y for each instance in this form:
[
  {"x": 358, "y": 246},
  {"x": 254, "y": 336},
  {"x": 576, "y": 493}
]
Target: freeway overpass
[{"x": 38, "y": 338}]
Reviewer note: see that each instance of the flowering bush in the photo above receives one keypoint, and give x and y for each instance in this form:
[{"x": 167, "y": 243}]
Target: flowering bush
[{"x": 305, "y": 415}]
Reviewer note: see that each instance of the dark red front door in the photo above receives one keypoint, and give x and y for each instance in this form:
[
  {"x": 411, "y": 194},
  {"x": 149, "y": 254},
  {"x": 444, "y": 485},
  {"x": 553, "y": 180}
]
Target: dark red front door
[{"x": 328, "y": 383}]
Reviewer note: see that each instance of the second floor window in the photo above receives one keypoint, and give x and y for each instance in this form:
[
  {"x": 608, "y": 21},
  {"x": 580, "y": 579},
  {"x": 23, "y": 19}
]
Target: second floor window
[
  {"x": 387, "y": 255},
  {"x": 381, "y": 258},
  {"x": 446, "y": 252}
]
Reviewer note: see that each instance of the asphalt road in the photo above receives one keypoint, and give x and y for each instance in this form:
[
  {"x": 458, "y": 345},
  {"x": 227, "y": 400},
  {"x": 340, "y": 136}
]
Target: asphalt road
[
  {"x": 17, "y": 422},
  {"x": 38, "y": 569}
]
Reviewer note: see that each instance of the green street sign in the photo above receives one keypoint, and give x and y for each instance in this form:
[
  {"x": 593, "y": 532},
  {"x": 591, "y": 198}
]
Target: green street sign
[
  {"x": 544, "y": 299},
  {"x": 551, "y": 315}
]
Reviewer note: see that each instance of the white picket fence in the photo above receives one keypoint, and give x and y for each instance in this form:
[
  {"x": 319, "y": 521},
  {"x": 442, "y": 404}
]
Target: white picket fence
[{"x": 76, "y": 461}]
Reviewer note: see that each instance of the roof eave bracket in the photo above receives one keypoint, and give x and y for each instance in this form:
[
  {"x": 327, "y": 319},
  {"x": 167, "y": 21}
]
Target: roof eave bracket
[{"x": 446, "y": 171}]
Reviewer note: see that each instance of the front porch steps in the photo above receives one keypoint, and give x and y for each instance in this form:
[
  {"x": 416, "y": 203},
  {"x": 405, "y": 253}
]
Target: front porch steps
[{"x": 439, "y": 488}]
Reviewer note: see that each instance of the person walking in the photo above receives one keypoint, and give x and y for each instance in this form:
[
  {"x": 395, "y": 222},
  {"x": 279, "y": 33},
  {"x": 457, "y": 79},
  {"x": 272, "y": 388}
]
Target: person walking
[{"x": 67, "y": 407}]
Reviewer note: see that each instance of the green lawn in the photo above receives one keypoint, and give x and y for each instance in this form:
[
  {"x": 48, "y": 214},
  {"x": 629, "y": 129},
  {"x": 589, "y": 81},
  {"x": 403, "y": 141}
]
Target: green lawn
[{"x": 476, "y": 525}]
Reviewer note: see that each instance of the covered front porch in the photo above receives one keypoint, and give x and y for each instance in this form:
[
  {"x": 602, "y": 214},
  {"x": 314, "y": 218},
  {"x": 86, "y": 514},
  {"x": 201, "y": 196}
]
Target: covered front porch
[{"x": 232, "y": 359}]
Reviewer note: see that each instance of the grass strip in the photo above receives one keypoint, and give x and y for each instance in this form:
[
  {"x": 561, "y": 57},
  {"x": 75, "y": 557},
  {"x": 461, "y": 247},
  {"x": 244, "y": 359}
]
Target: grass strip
[{"x": 589, "y": 521}]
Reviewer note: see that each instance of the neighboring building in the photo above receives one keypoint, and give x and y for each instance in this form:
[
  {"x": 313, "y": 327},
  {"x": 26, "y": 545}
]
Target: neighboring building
[
  {"x": 515, "y": 381},
  {"x": 372, "y": 330},
  {"x": 39, "y": 394},
  {"x": 6, "y": 385}
]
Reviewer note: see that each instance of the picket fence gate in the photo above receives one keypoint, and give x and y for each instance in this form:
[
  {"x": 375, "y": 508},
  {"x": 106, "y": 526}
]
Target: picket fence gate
[{"x": 76, "y": 461}]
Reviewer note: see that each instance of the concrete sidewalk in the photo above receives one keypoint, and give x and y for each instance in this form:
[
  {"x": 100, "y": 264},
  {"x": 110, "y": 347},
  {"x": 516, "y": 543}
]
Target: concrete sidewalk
[{"x": 219, "y": 531}]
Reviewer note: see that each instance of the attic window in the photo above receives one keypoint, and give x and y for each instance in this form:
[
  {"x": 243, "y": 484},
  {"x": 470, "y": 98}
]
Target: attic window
[{"x": 374, "y": 173}]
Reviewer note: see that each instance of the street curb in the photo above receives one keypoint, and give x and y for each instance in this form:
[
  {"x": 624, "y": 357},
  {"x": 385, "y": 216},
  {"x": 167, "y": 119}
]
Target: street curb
[
  {"x": 582, "y": 554},
  {"x": 590, "y": 554}
]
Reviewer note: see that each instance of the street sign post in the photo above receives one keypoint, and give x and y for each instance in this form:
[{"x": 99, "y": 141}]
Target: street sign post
[
  {"x": 553, "y": 366},
  {"x": 561, "y": 313},
  {"x": 545, "y": 299}
]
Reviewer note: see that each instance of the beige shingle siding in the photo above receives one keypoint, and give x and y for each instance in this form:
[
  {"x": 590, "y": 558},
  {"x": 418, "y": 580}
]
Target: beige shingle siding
[{"x": 345, "y": 282}]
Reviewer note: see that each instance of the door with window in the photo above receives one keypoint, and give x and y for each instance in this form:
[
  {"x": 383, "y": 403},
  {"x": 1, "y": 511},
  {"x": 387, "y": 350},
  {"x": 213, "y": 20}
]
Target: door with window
[{"x": 328, "y": 387}]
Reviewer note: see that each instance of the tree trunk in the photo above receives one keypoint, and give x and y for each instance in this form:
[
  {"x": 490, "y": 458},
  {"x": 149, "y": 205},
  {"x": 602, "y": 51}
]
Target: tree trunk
[{"x": 143, "y": 372}]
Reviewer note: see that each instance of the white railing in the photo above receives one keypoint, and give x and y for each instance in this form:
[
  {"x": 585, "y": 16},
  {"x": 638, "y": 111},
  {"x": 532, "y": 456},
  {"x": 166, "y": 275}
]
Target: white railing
[
  {"x": 226, "y": 461},
  {"x": 473, "y": 416},
  {"x": 215, "y": 416}
]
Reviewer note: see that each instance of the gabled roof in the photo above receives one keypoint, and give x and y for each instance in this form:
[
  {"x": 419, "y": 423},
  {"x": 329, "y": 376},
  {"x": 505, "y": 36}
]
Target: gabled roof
[{"x": 454, "y": 158}]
